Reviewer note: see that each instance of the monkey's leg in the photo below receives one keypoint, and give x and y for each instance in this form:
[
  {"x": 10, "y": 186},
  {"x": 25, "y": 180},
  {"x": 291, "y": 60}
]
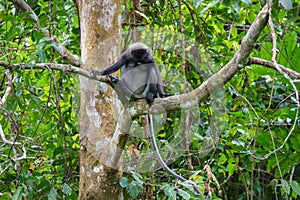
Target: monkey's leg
[{"x": 123, "y": 92}]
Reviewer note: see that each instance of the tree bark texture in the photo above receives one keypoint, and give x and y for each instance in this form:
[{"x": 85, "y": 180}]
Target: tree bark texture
[{"x": 100, "y": 29}]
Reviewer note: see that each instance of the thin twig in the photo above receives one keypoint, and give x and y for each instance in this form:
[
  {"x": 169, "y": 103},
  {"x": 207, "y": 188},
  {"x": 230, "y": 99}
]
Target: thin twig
[
  {"x": 271, "y": 65},
  {"x": 8, "y": 88},
  {"x": 6, "y": 141},
  {"x": 279, "y": 69}
]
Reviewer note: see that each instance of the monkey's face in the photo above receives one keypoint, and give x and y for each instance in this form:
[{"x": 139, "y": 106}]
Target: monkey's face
[{"x": 141, "y": 55}]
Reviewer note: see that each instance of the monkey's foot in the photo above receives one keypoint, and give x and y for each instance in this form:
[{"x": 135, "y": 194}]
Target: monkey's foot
[{"x": 149, "y": 97}]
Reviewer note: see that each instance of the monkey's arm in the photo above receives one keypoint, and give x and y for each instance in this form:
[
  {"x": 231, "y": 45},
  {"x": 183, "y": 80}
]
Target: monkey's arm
[{"x": 115, "y": 66}]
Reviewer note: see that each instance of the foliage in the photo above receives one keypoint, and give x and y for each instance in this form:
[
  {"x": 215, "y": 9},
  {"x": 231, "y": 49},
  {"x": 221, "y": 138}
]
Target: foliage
[
  {"x": 41, "y": 111},
  {"x": 259, "y": 111}
]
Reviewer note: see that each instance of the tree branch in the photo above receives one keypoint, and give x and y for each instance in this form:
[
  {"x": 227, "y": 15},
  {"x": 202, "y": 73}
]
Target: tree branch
[
  {"x": 59, "y": 48},
  {"x": 271, "y": 65},
  {"x": 5, "y": 141},
  {"x": 8, "y": 88},
  {"x": 62, "y": 67}
]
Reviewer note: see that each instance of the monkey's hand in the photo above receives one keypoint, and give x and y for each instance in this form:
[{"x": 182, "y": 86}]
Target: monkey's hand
[
  {"x": 113, "y": 79},
  {"x": 96, "y": 73}
]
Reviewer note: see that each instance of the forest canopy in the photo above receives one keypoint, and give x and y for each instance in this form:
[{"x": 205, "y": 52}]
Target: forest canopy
[{"x": 232, "y": 125}]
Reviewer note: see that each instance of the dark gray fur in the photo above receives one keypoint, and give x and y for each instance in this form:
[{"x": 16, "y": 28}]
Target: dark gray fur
[{"x": 140, "y": 75}]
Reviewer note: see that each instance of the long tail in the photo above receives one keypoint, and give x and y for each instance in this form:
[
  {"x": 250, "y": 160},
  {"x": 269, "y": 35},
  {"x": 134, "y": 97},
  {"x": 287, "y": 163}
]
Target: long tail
[{"x": 156, "y": 151}]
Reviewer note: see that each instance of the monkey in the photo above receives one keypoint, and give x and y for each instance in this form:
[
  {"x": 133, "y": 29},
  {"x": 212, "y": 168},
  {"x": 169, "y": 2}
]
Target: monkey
[
  {"x": 141, "y": 79},
  {"x": 140, "y": 75}
]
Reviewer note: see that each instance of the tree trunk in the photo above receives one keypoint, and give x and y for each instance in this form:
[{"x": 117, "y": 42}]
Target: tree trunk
[{"x": 100, "y": 45}]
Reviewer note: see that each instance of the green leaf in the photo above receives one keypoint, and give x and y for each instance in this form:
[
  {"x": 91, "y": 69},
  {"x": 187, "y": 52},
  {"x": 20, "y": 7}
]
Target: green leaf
[
  {"x": 19, "y": 92},
  {"x": 211, "y": 4},
  {"x": 173, "y": 197},
  {"x": 248, "y": 2},
  {"x": 184, "y": 194},
  {"x": 45, "y": 39},
  {"x": 58, "y": 151},
  {"x": 169, "y": 191},
  {"x": 18, "y": 194},
  {"x": 238, "y": 143},
  {"x": 137, "y": 177},
  {"x": 197, "y": 3},
  {"x": 132, "y": 190},
  {"x": 286, "y": 186},
  {"x": 123, "y": 182},
  {"x": 41, "y": 55},
  {"x": 44, "y": 80},
  {"x": 286, "y": 4},
  {"x": 295, "y": 187},
  {"x": 66, "y": 189},
  {"x": 234, "y": 32},
  {"x": 231, "y": 168},
  {"x": 53, "y": 194},
  {"x": 236, "y": 6},
  {"x": 52, "y": 44},
  {"x": 296, "y": 142},
  {"x": 5, "y": 196}
]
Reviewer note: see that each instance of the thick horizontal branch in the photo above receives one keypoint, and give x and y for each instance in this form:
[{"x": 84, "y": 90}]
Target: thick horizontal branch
[
  {"x": 271, "y": 65},
  {"x": 59, "y": 48}
]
